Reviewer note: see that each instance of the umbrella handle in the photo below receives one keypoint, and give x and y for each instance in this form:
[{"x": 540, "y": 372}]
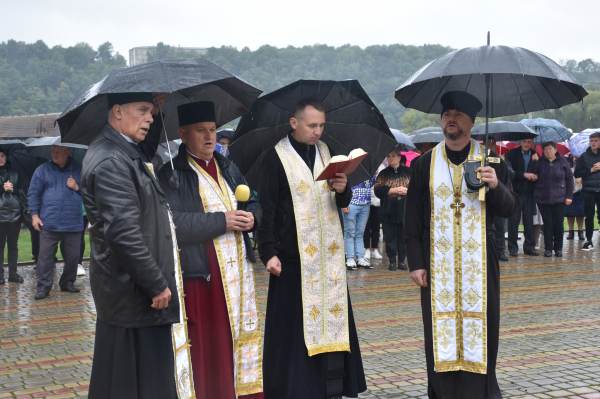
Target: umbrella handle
[{"x": 166, "y": 137}]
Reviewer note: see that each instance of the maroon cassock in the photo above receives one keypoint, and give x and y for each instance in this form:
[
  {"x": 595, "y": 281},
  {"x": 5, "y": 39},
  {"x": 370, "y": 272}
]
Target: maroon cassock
[{"x": 208, "y": 326}]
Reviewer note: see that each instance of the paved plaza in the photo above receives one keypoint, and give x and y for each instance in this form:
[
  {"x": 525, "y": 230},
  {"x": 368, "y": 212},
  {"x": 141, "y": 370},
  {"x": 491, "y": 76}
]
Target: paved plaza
[{"x": 549, "y": 337}]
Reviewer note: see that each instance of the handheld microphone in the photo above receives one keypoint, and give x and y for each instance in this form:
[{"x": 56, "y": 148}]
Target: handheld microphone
[{"x": 242, "y": 194}]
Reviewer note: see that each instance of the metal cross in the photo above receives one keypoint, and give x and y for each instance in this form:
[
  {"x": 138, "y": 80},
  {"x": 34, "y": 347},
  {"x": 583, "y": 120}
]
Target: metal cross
[{"x": 457, "y": 204}]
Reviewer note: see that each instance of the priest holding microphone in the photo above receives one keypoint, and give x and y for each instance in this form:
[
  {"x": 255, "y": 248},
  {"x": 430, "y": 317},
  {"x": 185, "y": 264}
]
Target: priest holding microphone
[{"x": 213, "y": 211}]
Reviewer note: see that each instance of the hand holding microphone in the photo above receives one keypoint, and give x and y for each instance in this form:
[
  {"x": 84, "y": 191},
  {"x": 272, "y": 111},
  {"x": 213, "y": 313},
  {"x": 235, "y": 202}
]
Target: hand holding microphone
[{"x": 240, "y": 220}]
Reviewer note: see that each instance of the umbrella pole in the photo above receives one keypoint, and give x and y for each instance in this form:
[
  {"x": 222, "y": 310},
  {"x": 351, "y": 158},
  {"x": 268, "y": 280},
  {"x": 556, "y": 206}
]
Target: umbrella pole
[{"x": 166, "y": 137}]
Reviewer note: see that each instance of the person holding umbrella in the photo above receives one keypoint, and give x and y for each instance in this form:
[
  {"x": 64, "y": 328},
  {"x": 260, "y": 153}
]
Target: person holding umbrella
[
  {"x": 553, "y": 191},
  {"x": 301, "y": 242},
  {"x": 132, "y": 267},
  {"x": 445, "y": 232},
  {"x": 10, "y": 217},
  {"x": 588, "y": 168},
  {"x": 215, "y": 259}
]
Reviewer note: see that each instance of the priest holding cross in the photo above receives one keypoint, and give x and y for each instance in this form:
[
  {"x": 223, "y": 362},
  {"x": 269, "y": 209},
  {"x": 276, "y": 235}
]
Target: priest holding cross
[{"x": 452, "y": 256}]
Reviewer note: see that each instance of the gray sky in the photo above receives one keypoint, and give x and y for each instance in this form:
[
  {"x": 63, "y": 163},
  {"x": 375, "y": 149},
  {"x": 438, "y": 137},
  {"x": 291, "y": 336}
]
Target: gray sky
[{"x": 557, "y": 28}]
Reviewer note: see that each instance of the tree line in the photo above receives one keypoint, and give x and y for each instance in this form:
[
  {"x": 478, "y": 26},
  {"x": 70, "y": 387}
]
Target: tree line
[{"x": 37, "y": 79}]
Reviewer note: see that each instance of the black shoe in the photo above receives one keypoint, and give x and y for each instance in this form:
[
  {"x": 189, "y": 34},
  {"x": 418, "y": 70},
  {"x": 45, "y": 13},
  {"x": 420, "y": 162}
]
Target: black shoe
[
  {"x": 581, "y": 235},
  {"x": 503, "y": 257},
  {"x": 71, "y": 288},
  {"x": 532, "y": 253},
  {"x": 41, "y": 295},
  {"x": 2, "y": 280},
  {"x": 548, "y": 254},
  {"x": 571, "y": 235},
  {"x": 587, "y": 246},
  {"x": 14, "y": 278},
  {"x": 558, "y": 254},
  {"x": 392, "y": 267},
  {"x": 402, "y": 266},
  {"x": 513, "y": 254}
]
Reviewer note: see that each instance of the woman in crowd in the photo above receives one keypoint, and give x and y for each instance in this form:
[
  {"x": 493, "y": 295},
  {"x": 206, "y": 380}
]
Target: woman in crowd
[
  {"x": 553, "y": 192},
  {"x": 391, "y": 188},
  {"x": 355, "y": 221},
  {"x": 10, "y": 218},
  {"x": 575, "y": 211}
]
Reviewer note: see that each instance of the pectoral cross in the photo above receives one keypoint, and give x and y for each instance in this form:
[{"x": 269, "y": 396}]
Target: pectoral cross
[
  {"x": 308, "y": 217},
  {"x": 481, "y": 159},
  {"x": 313, "y": 281},
  {"x": 457, "y": 205}
]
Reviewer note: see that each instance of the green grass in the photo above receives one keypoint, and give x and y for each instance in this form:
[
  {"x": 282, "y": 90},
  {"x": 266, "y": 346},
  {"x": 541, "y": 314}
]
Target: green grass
[{"x": 25, "y": 248}]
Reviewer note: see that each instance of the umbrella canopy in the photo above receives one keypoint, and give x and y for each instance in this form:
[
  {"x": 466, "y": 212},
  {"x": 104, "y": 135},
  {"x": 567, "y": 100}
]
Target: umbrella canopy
[
  {"x": 225, "y": 133},
  {"x": 11, "y": 144},
  {"x": 504, "y": 130},
  {"x": 403, "y": 140},
  {"x": 521, "y": 81},
  {"x": 353, "y": 121},
  {"x": 182, "y": 81},
  {"x": 426, "y": 135},
  {"x": 163, "y": 150},
  {"x": 580, "y": 143},
  {"x": 547, "y": 130},
  {"x": 561, "y": 148},
  {"x": 42, "y": 148},
  {"x": 410, "y": 156}
]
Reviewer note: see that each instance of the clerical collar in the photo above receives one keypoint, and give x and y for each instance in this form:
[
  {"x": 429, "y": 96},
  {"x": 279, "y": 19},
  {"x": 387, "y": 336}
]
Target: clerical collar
[
  {"x": 199, "y": 158},
  {"x": 458, "y": 157},
  {"x": 307, "y": 152},
  {"x": 129, "y": 140}
]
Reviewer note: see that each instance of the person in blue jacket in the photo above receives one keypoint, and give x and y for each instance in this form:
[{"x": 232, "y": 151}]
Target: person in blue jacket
[{"x": 55, "y": 205}]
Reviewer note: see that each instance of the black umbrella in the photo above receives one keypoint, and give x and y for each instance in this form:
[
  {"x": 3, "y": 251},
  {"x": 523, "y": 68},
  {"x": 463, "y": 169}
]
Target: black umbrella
[
  {"x": 507, "y": 81},
  {"x": 426, "y": 135},
  {"x": 503, "y": 131},
  {"x": 228, "y": 133},
  {"x": 182, "y": 81},
  {"x": 42, "y": 148},
  {"x": 353, "y": 121}
]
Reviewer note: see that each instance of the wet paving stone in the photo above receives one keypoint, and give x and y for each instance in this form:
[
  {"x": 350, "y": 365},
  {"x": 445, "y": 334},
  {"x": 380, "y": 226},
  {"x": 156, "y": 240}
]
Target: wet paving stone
[{"x": 549, "y": 331}]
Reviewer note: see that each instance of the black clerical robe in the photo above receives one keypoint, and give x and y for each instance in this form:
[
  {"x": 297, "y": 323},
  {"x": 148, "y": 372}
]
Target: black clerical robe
[
  {"x": 417, "y": 227},
  {"x": 288, "y": 371}
]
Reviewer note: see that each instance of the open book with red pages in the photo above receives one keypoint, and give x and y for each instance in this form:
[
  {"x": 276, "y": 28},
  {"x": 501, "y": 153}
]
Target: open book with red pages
[{"x": 342, "y": 164}]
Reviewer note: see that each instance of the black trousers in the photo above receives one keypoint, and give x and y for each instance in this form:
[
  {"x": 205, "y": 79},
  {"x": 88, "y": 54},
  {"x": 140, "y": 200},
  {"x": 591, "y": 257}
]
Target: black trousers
[
  {"x": 45, "y": 263},
  {"x": 500, "y": 226},
  {"x": 553, "y": 216},
  {"x": 9, "y": 234},
  {"x": 393, "y": 234},
  {"x": 525, "y": 206},
  {"x": 82, "y": 246},
  {"x": 35, "y": 242},
  {"x": 371, "y": 236},
  {"x": 591, "y": 200}
]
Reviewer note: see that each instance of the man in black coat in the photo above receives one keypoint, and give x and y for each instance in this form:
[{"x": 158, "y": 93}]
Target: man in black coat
[
  {"x": 210, "y": 270},
  {"x": 132, "y": 264},
  {"x": 588, "y": 168},
  {"x": 523, "y": 183}
]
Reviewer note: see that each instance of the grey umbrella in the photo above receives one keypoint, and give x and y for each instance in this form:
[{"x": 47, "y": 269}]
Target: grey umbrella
[
  {"x": 426, "y": 135},
  {"x": 548, "y": 130},
  {"x": 182, "y": 81},
  {"x": 42, "y": 148},
  {"x": 403, "y": 140},
  {"x": 504, "y": 130}
]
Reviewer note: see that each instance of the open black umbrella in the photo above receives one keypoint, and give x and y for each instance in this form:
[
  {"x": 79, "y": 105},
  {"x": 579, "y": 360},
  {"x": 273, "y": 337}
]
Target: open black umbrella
[
  {"x": 503, "y": 131},
  {"x": 507, "y": 81},
  {"x": 42, "y": 148},
  {"x": 353, "y": 121},
  {"x": 182, "y": 81},
  {"x": 229, "y": 133},
  {"x": 426, "y": 135},
  {"x": 404, "y": 143}
]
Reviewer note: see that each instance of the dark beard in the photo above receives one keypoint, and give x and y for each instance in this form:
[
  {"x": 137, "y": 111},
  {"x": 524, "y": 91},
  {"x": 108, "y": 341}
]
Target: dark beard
[{"x": 454, "y": 136}]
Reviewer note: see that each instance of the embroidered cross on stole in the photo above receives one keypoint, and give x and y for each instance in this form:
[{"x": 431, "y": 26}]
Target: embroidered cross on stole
[
  {"x": 238, "y": 283},
  {"x": 179, "y": 332},
  {"x": 458, "y": 268},
  {"x": 321, "y": 247}
]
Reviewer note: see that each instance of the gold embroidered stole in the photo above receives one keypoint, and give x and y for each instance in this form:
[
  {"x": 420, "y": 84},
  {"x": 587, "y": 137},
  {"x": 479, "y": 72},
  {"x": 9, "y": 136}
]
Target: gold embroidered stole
[
  {"x": 238, "y": 283},
  {"x": 181, "y": 345},
  {"x": 321, "y": 247},
  {"x": 458, "y": 268}
]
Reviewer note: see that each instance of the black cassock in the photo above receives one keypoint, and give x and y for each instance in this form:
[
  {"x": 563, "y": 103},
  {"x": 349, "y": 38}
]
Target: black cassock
[
  {"x": 288, "y": 371},
  {"x": 417, "y": 227}
]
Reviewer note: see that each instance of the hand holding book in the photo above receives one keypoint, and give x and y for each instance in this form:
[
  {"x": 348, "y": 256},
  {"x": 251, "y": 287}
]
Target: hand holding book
[{"x": 342, "y": 164}]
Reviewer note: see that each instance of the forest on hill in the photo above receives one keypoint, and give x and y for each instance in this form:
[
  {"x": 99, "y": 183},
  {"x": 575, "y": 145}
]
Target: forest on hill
[{"x": 35, "y": 78}]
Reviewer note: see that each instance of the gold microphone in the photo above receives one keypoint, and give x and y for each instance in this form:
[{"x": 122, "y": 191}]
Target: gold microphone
[{"x": 242, "y": 194}]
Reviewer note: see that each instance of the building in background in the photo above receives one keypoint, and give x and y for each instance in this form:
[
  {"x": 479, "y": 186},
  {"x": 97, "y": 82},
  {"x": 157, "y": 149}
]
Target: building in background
[
  {"x": 139, "y": 55},
  {"x": 22, "y": 127}
]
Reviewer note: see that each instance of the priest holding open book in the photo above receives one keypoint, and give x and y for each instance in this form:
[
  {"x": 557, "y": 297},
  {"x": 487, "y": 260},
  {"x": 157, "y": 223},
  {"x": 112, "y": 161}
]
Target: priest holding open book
[{"x": 311, "y": 347}]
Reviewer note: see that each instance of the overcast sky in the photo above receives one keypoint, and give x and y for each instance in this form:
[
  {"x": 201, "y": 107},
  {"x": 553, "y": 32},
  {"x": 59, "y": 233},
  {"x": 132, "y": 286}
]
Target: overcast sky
[{"x": 557, "y": 28}]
